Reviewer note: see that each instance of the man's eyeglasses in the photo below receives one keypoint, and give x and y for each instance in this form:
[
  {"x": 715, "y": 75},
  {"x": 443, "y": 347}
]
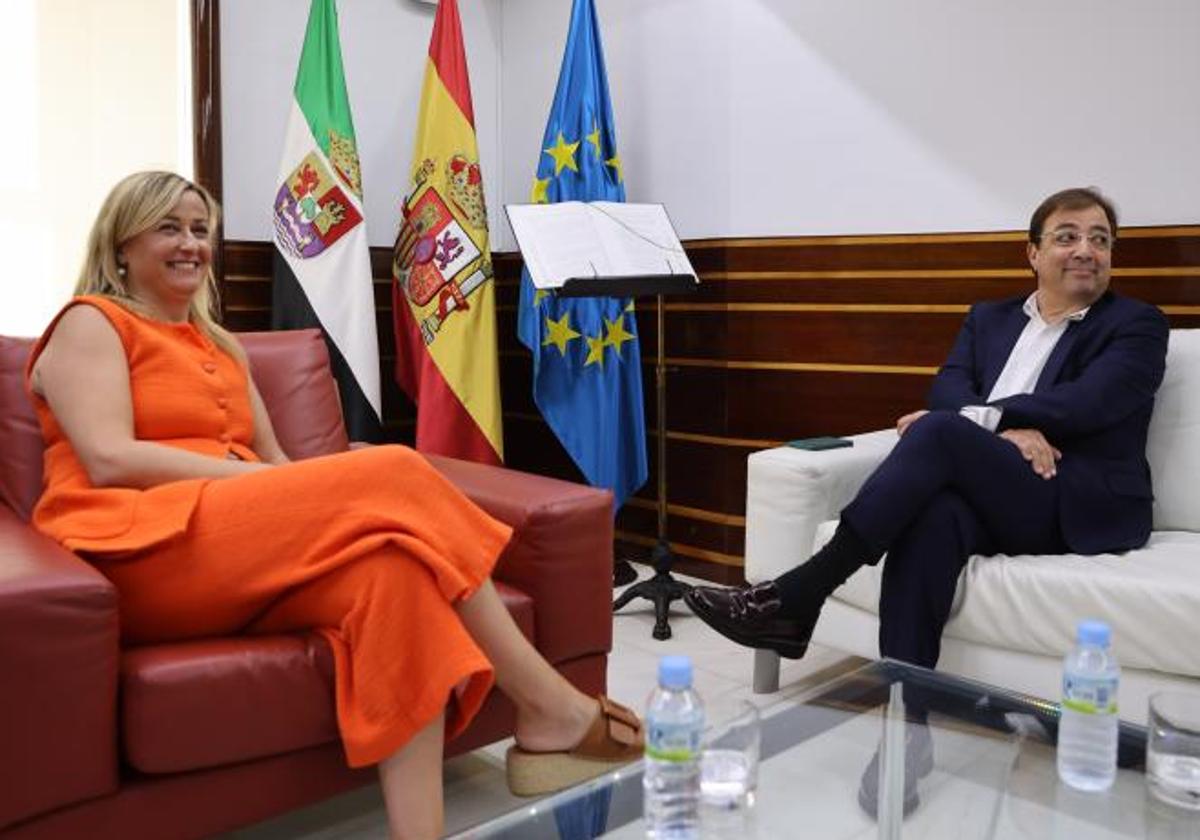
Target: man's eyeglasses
[{"x": 1101, "y": 240}]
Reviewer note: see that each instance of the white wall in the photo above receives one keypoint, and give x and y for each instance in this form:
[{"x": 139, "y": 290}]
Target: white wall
[
  {"x": 770, "y": 117},
  {"x": 761, "y": 117},
  {"x": 384, "y": 47},
  {"x": 93, "y": 92}
]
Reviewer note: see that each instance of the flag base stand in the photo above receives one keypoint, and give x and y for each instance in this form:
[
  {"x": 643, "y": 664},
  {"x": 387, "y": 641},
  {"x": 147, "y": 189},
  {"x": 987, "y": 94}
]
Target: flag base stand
[
  {"x": 623, "y": 573},
  {"x": 662, "y": 589}
]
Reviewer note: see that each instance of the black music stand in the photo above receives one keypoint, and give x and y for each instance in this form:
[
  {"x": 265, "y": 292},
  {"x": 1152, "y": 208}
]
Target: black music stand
[{"x": 662, "y": 589}]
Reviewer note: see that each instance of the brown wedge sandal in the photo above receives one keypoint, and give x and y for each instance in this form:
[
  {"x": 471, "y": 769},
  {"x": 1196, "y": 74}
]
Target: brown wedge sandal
[{"x": 614, "y": 738}]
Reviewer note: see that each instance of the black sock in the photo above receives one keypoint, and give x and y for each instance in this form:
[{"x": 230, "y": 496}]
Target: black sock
[{"x": 809, "y": 584}]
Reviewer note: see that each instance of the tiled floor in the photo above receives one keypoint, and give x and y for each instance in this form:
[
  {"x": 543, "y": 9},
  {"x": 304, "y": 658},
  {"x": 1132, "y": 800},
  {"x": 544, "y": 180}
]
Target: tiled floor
[{"x": 474, "y": 783}]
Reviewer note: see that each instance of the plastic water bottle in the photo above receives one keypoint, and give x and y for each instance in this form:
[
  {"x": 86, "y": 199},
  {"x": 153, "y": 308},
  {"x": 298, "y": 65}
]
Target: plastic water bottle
[
  {"x": 671, "y": 782},
  {"x": 1087, "y": 733}
]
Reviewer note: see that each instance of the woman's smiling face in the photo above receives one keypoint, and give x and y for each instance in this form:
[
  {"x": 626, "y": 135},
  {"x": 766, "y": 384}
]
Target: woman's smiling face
[{"x": 169, "y": 262}]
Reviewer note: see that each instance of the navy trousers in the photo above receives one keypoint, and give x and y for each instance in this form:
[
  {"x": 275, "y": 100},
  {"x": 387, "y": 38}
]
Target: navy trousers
[{"x": 949, "y": 489}]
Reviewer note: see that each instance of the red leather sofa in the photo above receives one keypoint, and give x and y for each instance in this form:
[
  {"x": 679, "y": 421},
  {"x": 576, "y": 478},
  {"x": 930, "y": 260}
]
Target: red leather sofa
[{"x": 182, "y": 740}]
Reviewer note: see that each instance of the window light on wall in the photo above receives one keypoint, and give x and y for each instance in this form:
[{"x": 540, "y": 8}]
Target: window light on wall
[{"x": 95, "y": 91}]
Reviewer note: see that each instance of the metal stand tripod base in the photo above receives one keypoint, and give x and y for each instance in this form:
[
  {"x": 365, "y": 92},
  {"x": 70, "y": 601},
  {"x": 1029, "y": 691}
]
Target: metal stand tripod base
[
  {"x": 623, "y": 573},
  {"x": 662, "y": 589}
]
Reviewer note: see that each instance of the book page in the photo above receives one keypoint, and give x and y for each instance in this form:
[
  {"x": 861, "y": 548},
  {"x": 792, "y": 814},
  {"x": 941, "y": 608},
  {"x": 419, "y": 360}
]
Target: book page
[
  {"x": 557, "y": 241},
  {"x": 572, "y": 239},
  {"x": 639, "y": 239}
]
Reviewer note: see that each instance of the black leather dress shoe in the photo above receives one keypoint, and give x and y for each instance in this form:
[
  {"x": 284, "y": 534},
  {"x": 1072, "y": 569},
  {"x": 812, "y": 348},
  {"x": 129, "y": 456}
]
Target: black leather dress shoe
[
  {"x": 918, "y": 763},
  {"x": 753, "y": 617}
]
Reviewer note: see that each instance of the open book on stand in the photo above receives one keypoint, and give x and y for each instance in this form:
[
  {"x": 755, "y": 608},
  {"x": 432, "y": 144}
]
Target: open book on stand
[{"x": 601, "y": 248}]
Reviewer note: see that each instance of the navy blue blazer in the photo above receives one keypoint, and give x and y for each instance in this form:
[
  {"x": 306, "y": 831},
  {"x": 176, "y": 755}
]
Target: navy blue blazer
[{"x": 1092, "y": 401}]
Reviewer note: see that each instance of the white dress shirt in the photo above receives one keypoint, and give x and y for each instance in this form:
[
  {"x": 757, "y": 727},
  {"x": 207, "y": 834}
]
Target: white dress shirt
[{"x": 1025, "y": 363}]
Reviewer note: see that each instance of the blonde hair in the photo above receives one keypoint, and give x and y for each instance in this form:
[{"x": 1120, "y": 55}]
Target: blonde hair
[{"x": 136, "y": 204}]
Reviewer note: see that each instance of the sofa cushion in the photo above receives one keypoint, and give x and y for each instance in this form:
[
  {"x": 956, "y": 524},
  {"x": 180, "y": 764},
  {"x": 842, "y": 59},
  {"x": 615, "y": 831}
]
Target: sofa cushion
[
  {"x": 1032, "y": 603},
  {"x": 21, "y": 454},
  {"x": 1173, "y": 447},
  {"x": 207, "y": 703},
  {"x": 291, "y": 370}
]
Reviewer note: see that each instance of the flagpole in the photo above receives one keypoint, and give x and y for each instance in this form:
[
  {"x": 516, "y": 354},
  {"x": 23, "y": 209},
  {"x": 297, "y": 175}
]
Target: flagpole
[{"x": 660, "y": 395}]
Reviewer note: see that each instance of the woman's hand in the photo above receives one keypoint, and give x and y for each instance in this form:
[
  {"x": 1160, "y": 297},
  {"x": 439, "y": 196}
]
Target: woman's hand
[
  {"x": 1035, "y": 449},
  {"x": 908, "y": 419}
]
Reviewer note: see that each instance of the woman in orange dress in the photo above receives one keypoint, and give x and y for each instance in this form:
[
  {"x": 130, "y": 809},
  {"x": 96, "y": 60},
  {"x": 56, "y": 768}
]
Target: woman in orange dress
[{"x": 162, "y": 469}]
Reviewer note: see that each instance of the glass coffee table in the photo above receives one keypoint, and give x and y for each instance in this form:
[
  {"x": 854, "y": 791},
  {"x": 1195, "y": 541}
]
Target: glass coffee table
[{"x": 993, "y": 773}]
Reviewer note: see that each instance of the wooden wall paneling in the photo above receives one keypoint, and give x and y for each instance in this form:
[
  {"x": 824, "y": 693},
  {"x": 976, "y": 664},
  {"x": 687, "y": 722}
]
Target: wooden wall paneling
[
  {"x": 238, "y": 293},
  {"x": 716, "y": 534},
  {"x": 1188, "y": 321},
  {"x": 907, "y": 252},
  {"x": 785, "y": 338},
  {"x": 702, "y": 475},
  {"x": 766, "y": 407},
  {"x": 206, "y": 94},
  {"x": 785, "y": 287},
  {"x": 1160, "y": 247},
  {"x": 1147, "y": 246},
  {"x": 915, "y": 337},
  {"x": 206, "y": 108},
  {"x": 1164, "y": 285},
  {"x": 530, "y": 445}
]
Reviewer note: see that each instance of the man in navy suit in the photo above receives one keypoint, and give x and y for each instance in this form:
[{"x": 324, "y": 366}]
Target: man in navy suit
[{"x": 1034, "y": 443}]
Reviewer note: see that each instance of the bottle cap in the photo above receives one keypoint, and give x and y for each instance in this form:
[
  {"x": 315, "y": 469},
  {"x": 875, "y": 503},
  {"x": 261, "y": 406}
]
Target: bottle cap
[
  {"x": 675, "y": 672},
  {"x": 1093, "y": 632}
]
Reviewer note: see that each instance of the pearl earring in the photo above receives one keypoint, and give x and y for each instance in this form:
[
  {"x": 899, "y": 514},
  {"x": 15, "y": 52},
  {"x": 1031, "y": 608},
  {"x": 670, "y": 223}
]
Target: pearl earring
[{"x": 121, "y": 270}]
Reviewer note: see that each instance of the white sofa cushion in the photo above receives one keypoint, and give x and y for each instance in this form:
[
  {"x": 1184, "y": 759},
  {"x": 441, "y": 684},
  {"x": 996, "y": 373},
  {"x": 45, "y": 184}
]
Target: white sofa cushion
[
  {"x": 1150, "y": 598},
  {"x": 1173, "y": 447}
]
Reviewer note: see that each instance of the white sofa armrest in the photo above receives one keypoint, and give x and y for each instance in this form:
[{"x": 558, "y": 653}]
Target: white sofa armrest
[{"x": 789, "y": 492}]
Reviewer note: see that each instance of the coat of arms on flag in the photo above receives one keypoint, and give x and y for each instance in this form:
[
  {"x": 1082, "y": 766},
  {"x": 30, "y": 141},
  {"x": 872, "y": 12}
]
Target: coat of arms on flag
[
  {"x": 436, "y": 260},
  {"x": 311, "y": 210}
]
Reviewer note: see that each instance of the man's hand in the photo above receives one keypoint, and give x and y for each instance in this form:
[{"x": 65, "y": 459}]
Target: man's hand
[
  {"x": 1035, "y": 449},
  {"x": 908, "y": 419}
]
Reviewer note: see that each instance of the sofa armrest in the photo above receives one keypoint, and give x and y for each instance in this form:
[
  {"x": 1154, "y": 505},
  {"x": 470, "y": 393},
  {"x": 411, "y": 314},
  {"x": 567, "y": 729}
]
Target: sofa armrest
[
  {"x": 560, "y": 553},
  {"x": 789, "y": 492},
  {"x": 58, "y": 675}
]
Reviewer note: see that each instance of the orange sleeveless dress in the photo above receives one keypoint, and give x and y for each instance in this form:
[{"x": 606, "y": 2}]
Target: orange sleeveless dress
[{"x": 370, "y": 548}]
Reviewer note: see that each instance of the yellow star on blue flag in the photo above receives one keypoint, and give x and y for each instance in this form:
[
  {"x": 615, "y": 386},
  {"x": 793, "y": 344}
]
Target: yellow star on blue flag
[
  {"x": 615, "y": 334},
  {"x": 559, "y": 333},
  {"x": 563, "y": 154}
]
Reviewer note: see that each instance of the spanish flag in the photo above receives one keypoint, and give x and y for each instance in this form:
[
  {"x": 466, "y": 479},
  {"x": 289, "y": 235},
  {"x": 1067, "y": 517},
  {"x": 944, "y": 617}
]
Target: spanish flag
[{"x": 443, "y": 297}]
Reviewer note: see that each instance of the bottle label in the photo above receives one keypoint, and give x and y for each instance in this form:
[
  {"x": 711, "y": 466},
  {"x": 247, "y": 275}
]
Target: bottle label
[
  {"x": 1090, "y": 695},
  {"x": 672, "y": 741}
]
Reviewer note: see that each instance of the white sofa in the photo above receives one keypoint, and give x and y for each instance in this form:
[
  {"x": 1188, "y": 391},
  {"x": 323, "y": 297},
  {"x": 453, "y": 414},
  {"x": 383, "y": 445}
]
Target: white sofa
[{"x": 1013, "y": 617}]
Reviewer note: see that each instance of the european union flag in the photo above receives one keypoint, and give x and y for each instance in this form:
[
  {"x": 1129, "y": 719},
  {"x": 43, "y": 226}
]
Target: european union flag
[{"x": 587, "y": 365}]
